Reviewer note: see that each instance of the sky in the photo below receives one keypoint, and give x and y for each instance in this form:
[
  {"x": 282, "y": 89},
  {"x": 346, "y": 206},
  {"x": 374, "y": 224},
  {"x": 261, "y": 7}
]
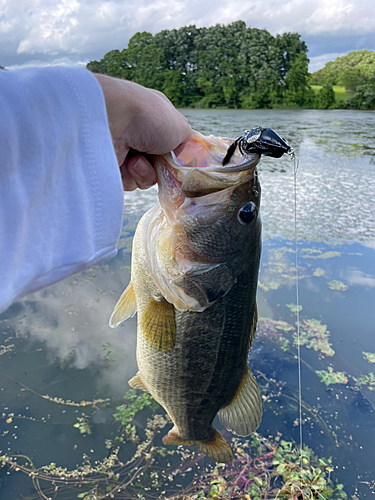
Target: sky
[{"x": 73, "y": 32}]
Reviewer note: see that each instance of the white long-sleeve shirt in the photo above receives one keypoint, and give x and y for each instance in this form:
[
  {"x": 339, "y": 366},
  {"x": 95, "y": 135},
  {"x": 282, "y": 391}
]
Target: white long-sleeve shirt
[{"x": 61, "y": 197}]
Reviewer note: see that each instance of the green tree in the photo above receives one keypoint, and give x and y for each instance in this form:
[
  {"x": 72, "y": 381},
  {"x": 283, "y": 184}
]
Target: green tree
[
  {"x": 173, "y": 87},
  {"x": 351, "y": 78},
  {"x": 351, "y": 70},
  {"x": 223, "y": 65},
  {"x": 180, "y": 54},
  {"x": 146, "y": 61},
  {"x": 364, "y": 96},
  {"x": 326, "y": 98},
  {"x": 297, "y": 91}
]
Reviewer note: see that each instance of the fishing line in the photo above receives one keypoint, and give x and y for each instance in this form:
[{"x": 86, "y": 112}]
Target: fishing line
[{"x": 295, "y": 168}]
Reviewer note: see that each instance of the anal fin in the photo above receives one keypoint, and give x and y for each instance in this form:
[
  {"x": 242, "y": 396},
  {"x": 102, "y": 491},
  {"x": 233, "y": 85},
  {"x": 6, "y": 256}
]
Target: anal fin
[
  {"x": 158, "y": 325},
  {"x": 125, "y": 308},
  {"x": 136, "y": 383},
  {"x": 218, "y": 449},
  {"x": 242, "y": 416}
]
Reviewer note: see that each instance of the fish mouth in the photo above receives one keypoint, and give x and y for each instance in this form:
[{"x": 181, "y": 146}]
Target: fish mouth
[{"x": 198, "y": 170}]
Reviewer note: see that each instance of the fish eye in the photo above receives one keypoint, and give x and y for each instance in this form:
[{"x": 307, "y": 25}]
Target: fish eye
[{"x": 247, "y": 213}]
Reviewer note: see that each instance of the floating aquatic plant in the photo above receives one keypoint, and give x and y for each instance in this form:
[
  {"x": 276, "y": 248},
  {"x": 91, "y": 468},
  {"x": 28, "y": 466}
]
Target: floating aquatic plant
[
  {"x": 369, "y": 356},
  {"x": 284, "y": 343},
  {"x": 326, "y": 255},
  {"x": 267, "y": 470},
  {"x": 310, "y": 251},
  {"x": 135, "y": 403},
  {"x": 337, "y": 285},
  {"x": 6, "y": 349},
  {"x": 331, "y": 377},
  {"x": 315, "y": 336},
  {"x": 319, "y": 272},
  {"x": 271, "y": 285},
  {"x": 367, "y": 380},
  {"x": 261, "y": 469},
  {"x": 294, "y": 308},
  {"x": 320, "y": 254},
  {"x": 83, "y": 424},
  {"x": 126, "y": 413}
]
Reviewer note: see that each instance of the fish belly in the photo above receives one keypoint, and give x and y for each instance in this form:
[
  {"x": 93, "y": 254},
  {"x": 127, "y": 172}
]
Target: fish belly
[{"x": 201, "y": 374}]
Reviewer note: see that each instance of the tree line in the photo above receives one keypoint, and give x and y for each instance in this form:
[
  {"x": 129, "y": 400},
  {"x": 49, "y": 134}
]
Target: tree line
[
  {"x": 356, "y": 72},
  {"x": 220, "y": 66}
]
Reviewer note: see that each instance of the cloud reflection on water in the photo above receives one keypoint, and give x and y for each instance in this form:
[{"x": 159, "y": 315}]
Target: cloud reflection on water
[
  {"x": 357, "y": 277},
  {"x": 71, "y": 319}
]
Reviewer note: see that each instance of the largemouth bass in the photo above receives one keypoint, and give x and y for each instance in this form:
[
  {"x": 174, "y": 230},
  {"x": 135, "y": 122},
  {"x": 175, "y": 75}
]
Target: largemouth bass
[{"x": 194, "y": 276}]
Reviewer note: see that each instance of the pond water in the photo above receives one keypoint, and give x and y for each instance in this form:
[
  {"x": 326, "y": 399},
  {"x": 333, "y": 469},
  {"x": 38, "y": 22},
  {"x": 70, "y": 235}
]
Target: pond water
[{"x": 58, "y": 354}]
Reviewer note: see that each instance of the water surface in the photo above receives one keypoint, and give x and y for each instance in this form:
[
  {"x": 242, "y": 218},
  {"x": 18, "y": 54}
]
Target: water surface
[{"x": 57, "y": 341}]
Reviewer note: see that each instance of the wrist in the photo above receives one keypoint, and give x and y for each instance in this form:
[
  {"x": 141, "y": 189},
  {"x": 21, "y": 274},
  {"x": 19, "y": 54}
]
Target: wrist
[{"x": 121, "y": 102}]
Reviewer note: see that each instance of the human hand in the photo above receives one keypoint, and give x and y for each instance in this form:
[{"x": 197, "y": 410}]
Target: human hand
[{"x": 143, "y": 120}]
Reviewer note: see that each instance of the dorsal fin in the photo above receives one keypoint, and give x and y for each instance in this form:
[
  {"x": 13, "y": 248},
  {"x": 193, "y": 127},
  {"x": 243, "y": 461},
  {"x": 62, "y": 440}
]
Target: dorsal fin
[
  {"x": 159, "y": 325},
  {"x": 125, "y": 308}
]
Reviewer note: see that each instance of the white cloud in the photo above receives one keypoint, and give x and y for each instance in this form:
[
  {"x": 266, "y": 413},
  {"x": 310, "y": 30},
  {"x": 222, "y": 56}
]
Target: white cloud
[
  {"x": 83, "y": 29},
  {"x": 319, "y": 62},
  {"x": 38, "y": 63}
]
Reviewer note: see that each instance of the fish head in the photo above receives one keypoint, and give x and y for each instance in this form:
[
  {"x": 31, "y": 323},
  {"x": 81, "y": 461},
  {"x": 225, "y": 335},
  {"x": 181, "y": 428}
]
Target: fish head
[
  {"x": 211, "y": 224},
  {"x": 216, "y": 207}
]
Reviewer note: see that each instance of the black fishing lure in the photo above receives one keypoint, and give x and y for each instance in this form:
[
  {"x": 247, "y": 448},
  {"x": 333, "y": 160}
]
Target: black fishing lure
[{"x": 261, "y": 140}]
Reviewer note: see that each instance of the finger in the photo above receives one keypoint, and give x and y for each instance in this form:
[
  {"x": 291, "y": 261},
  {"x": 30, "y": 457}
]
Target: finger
[
  {"x": 128, "y": 182},
  {"x": 141, "y": 171},
  {"x": 180, "y": 148}
]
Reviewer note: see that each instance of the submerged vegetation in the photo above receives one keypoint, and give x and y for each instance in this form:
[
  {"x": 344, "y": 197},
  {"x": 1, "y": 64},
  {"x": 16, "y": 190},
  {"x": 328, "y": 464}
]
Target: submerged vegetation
[
  {"x": 262, "y": 469},
  {"x": 138, "y": 466}
]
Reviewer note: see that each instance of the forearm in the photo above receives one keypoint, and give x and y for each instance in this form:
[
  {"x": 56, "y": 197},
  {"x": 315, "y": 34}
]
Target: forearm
[{"x": 60, "y": 188}]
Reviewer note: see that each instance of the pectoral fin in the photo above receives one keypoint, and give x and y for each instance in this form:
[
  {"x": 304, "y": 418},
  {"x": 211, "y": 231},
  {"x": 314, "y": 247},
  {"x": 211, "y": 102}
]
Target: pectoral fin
[
  {"x": 125, "y": 308},
  {"x": 159, "y": 325},
  {"x": 242, "y": 416},
  {"x": 136, "y": 383}
]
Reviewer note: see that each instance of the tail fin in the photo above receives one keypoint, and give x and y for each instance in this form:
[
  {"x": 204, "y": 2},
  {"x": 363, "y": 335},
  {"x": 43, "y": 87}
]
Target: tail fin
[{"x": 217, "y": 448}]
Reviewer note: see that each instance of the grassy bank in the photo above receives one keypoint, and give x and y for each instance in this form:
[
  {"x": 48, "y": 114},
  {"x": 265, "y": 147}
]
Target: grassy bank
[{"x": 341, "y": 94}]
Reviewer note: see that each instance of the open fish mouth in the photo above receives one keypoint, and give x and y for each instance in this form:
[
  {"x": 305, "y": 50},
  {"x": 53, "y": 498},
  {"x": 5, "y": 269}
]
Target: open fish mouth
[{"x": 199, "y": 171}]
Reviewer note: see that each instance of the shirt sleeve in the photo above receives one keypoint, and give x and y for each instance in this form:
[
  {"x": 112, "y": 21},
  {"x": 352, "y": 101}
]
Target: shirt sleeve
[{"x": 61, "y": 197}]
